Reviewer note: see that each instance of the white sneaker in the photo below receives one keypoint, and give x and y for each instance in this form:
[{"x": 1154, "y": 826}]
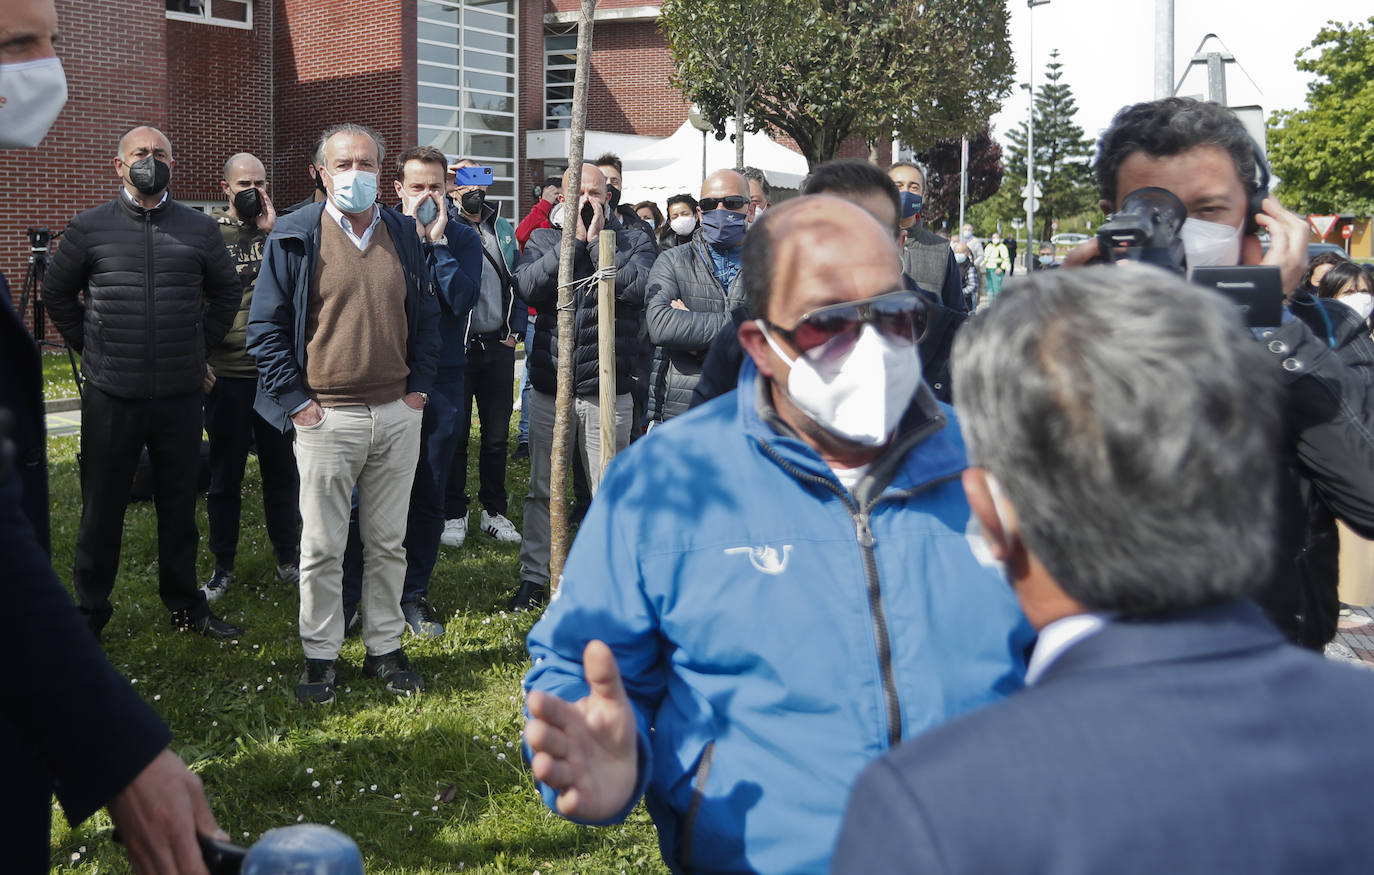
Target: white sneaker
[
  {"x": 500, "y": 528},
  {"x": 455, "y": 532}
]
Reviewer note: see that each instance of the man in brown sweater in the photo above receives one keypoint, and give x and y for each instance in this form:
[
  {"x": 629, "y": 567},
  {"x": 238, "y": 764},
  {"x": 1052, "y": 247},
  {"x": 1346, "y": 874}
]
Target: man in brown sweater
[{"x": 343, "y": 325}]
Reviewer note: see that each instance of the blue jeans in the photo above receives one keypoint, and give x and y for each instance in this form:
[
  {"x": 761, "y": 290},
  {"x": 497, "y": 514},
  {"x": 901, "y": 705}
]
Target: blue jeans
[
  {"x": 439, "y": 433},
  {"x": 522, "y": 432}
]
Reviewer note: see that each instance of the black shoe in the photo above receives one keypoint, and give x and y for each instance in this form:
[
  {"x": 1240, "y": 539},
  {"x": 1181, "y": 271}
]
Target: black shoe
[
  {"x": 529, "y": 597},
  {"x": 393, "y": 670},
  {"x": 208, "y": 625},
  {"x": 316, "y": 685},
  {"x": 521, "y": 451}
]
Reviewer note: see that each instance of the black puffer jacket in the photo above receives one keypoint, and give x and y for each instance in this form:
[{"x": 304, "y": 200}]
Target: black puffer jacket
[
  {"x": 160, "y": 290},
  {"x": 536, "y": 281},
  {"x": 681, "y": 338},
  {"x": 1329, "y": 465}
]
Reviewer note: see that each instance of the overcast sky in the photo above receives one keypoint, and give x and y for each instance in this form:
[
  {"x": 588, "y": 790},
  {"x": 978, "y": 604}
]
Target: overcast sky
[{"x": 1107, "y": 49}]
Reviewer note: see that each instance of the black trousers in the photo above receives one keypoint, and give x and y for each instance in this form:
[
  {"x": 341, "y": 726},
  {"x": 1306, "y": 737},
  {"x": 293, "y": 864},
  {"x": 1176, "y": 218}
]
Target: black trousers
[
  {"x": 113, "y": 434},
  {"x": 490, "y": 380},
  {"x": 234, "y": 427}
]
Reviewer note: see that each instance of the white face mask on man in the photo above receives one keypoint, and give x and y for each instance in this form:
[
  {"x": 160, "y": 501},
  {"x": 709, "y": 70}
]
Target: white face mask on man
[
  {"x": 32, "y": 93},
  {"x": 861, "y": 396},
  {"x": 1208, "y": 244}
]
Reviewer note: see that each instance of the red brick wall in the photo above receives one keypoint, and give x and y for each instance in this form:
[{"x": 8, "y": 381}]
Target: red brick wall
[
  {"x": 114, "y": 83},
  {"x": 340, "y": 61},
  {"x": 220, "y": 99}
]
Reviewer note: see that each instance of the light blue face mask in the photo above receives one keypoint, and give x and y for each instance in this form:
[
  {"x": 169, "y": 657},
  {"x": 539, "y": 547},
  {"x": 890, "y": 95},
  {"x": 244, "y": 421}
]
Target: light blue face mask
[{"x": 355, "y": 191}]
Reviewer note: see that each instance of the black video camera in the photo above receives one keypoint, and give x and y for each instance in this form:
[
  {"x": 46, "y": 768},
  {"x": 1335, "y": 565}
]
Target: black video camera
[
  {"x": 1146, "y": 229},
  {"x": 39, "y": 239}
]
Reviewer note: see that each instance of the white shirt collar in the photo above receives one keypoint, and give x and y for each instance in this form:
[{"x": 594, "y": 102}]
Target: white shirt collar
[
  {"x": 135, "y": 202},
  {"x": 1058, "y": 637},
  {"x": 343, "y": 222}
]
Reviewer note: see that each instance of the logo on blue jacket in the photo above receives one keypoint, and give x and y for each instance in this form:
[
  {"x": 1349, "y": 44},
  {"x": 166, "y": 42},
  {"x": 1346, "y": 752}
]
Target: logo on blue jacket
[{"x": 766, "y": 559}]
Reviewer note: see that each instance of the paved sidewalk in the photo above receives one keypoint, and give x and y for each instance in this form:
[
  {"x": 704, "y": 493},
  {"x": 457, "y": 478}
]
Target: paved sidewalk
[{"x": 1354, "y": 639}]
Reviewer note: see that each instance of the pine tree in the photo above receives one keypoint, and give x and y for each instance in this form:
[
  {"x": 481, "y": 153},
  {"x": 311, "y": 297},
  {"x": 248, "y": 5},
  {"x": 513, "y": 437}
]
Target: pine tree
[{"x": 1062, "y": 153}]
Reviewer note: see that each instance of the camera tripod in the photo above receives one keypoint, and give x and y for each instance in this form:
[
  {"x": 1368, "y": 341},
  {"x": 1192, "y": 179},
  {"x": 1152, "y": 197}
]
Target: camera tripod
[{"x": 40, "y": 241}]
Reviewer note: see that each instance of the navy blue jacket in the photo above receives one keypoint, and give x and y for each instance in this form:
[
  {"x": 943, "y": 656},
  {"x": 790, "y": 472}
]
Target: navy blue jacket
[
  {"x": 276, "y": 321},
  {"x": 1200, "y": 742},
  {"x": 457, "y": 272}
]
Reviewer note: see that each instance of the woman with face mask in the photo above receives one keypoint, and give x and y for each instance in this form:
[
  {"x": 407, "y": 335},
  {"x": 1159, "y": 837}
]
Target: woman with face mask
[
  {"x": 682, "y": 221},
  {"x": 1347, "y": 283}
]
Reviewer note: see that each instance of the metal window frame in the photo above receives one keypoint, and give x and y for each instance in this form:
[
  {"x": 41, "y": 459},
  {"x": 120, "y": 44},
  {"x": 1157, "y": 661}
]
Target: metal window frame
[{"x": 206, "y": 18}]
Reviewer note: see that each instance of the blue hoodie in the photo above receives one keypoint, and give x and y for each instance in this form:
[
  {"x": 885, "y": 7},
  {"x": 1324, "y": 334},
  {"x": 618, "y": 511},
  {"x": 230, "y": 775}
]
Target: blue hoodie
[{"x": 774, "y": 631}]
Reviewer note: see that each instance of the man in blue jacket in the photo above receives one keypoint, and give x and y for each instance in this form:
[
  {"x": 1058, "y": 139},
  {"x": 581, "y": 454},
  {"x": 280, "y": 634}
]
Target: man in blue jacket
[
  {"x": 1168, "y": 727},
  {"x": 783, "y": 576},
  {"x": 344, "y": 326}
]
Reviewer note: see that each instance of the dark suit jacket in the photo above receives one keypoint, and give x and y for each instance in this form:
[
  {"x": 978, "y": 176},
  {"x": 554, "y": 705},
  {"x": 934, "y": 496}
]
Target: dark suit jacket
[
  {"x": 68, "y": 722},
  {"x": 1200, "y": 743},
  {"x": 21, "y": 392}
]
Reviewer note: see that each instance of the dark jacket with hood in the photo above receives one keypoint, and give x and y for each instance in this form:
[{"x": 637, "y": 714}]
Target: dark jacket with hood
[
  {"x": 682, "y": 338},
  {"x": 536, "y": 281},
  {"x": 160, "y": 291},
  {"x": 277, "y": 319},
  {"x": 1329, "y": 464}
]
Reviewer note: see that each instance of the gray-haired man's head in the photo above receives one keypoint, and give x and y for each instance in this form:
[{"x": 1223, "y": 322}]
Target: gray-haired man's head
[{"x": 1133, "y": 425}]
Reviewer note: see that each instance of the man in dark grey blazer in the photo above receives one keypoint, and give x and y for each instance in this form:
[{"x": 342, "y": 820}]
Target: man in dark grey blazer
[{"x": 1124, "y": 428}]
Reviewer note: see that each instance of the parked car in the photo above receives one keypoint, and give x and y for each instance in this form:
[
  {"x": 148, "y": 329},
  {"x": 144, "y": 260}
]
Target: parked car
[{"x": 1069, "y": 239}]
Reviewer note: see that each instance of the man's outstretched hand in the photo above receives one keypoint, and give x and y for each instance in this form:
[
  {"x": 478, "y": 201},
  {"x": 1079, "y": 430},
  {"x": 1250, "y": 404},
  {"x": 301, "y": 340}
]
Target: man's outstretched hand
[
  {"x": 586, "y": 750},
  {"x": 158, "y": 816}
]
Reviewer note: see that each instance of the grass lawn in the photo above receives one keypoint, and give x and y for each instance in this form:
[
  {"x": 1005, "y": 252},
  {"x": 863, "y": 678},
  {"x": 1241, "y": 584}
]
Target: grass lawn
[
  {"x": 372, "y": 765},
  {"x": 58, "y": 381}
]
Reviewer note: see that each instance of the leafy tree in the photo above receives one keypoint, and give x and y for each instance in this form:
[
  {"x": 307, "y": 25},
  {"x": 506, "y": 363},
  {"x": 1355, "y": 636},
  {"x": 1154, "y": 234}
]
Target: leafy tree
[
  {"x": 943, "y": 160},
  {"x": 1063, "y": 154},
  {"x": 1322, "y": 153},
  {"x": 826, "y": 70}
]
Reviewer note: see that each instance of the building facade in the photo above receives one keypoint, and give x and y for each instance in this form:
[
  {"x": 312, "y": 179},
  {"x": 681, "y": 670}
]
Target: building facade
[{"x": 485, "y": 79}]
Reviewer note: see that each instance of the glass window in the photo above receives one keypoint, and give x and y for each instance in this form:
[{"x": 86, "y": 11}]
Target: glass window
[
  {"x": 466, "y": 84},
  {"x": 503, "y": 6},
  {"x": 444, "y": 141},
  {"x": 435, "y": 94},
  {"x": 488, "y": 81},
  {"x": 560, "y": 59},
  {"x": 483, "y": 61},
  {"x": 438, "y": 75},
  {"x": 476, "y": 121},
  {"x": 438, "y": 11},
  {"x": 558, "y": 92},
  {"x": 438, "y": 118},
  {"x": 235, "y": 13},
  {"x": 564, "y": 76},
  {"x": 489, "y": 102},
  {"x": 476, "y": 39},
  {"x": 439, "y": 54},
  {"x": 490, "y": 145},
  {"x": 561, "y": 42},
  {"x": 473, "y": 18}
]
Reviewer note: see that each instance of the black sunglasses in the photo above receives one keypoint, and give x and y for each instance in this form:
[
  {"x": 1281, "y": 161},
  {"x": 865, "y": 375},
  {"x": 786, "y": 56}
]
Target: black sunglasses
[
  {"x": 733, "y": 202},
  {"x": 899, "y": 315}
]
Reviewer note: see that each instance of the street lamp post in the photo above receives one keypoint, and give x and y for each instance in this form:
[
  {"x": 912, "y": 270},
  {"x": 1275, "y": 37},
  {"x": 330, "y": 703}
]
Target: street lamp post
[{"x": 1030, "y": 128}]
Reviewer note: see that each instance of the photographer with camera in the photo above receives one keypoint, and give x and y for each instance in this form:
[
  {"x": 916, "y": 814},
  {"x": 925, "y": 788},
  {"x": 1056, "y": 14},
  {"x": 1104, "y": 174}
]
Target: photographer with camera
[{"x": 1213, "y": 203}]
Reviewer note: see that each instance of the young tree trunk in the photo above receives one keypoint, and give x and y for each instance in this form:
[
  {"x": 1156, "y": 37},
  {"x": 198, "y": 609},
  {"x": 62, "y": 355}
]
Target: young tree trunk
[{"x": 558, "y": 475}]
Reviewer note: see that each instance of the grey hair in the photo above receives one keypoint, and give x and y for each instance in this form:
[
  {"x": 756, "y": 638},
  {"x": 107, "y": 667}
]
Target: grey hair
[
  {"x": 758, "y": 176},
  {"x": 350, "y": 128},
  {"x": 1134, "y": 425}
]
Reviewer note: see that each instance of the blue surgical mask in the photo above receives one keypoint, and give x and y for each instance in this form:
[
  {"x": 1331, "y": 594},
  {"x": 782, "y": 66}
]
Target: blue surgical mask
[
  {"x": 427, "y": 211},
  {"x": 723, "y": 229},
  {"x": 355, "y": 191},
  {"x": 911, "y": 204}
]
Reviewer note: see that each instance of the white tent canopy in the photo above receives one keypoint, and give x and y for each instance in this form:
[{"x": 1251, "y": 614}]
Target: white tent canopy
[{"x": 673, "y": 165}]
